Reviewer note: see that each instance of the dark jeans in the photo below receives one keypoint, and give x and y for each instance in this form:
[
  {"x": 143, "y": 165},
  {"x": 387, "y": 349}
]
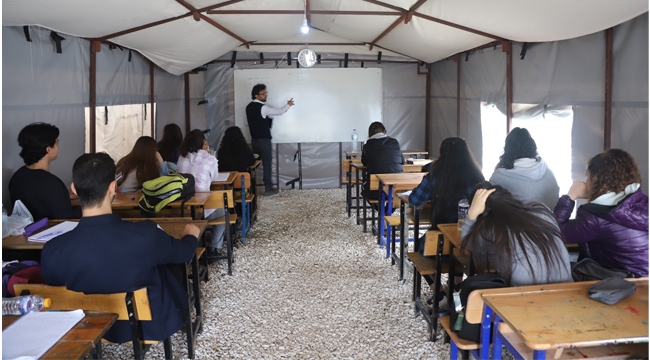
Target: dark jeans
[{"x": 265, "y": 150}]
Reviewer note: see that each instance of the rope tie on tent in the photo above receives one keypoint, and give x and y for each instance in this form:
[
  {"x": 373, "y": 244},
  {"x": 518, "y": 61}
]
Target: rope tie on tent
[
  {"x": 26, "y": 31},
  {"x": 524, "y": 48},
  {"x": 57, "y": 39}
]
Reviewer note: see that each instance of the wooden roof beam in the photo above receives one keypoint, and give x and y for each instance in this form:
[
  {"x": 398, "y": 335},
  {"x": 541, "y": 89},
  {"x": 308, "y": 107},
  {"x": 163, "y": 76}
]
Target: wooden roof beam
[
  {"x": 307, "y": 14},
  {"x": 164, "y": 21},
  {"x": 301, "y": 12},
  {"x": 404, "y": 17},
  {"x": 224, "y": 29}
]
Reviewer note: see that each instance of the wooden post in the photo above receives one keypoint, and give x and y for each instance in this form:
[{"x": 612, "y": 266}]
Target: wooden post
[
  {"x": 609, "y": 74},
  {"x": 95, "y": 46},
  {"x": 187, "y": 103},
  {"x": 427, "y": 111},
  {"x": 151, "y": 99},
  {"x": 506, "y": 47},
  {"x": 457, "y": 60}
]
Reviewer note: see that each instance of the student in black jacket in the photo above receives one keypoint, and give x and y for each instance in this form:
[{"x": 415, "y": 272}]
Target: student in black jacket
[
  {"x": 381, "y": 155},
  {"x": 42, "y": 192}
]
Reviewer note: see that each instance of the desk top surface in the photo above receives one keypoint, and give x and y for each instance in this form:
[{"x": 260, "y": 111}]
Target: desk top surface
[
  {"x": 568, "y": 318},
  {"x": 400, "y": 181},
  {"x": 174, "y": 228},
  {"x": 130, "y": 200},
  {"x": 80, "y": 340},
  {"x": 415, "y": 152}
]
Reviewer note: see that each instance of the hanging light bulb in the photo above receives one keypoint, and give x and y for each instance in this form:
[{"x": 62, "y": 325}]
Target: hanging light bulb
[{"x": 305, "y": 27}]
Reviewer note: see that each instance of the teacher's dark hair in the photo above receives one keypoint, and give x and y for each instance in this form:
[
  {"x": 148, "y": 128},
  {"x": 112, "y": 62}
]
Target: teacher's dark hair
[
  {"x": 91, "y": 175},
  {"x": 34, "y": 140},
  {"x": 519, "y": 144},
  {"x": 509, "y": 229},
  {"x": 193, "y": 142},
  {"x": 257, "y": 89}
]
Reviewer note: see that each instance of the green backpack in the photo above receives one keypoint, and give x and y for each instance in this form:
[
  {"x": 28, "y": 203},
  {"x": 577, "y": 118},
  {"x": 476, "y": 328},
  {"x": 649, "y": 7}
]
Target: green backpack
[{"x": 159, "y": 192}]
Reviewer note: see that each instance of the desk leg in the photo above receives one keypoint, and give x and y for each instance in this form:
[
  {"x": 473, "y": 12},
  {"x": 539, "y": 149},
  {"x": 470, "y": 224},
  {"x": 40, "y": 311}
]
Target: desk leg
[
  {"x": 485, "y": 332},
  {"x": 196, "y": 283},
  {"x": 382, "y": 212},
  {"x": 497, "y": 343},
  {"x": 189, "y": 325},
  {"x": 402, "y": 241},
  {"x": 358, "y": 194}
]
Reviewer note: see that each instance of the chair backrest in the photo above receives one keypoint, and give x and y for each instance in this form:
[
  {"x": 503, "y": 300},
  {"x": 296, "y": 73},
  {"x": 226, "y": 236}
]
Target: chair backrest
[
  {"x": 64, "y": 299},
  {"x": 237, "y": 184},
  {"x": 431, "y": 244},
  {"x": 216, "y": 201},
  {"x": 346, "y": 164}
]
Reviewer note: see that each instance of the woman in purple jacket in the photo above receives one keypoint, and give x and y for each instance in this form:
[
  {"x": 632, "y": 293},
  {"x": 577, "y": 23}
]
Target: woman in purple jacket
[{"x": 612, "y": 228}]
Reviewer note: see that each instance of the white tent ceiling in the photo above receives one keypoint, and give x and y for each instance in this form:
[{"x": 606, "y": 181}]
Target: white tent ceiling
[{"x": 435, "y": 29}]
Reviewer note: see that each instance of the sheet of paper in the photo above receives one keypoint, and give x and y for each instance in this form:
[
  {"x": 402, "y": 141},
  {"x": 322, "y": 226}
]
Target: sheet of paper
[
  {"x": 35, "y": 333},
  {"x": 54, "y": 231},
  {"x": 223, "y": 176},
  {"x": 405, "y": 195}
]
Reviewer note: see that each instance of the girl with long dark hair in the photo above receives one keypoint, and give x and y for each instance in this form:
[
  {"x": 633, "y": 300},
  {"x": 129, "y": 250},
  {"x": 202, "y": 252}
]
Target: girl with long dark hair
[
  {"x": 612, "y": 228},
  {"x": 452, "y": 176},
  {"x": 520, "y": 241},
  {"x": 169, "y": 145},
  {"x": 234, "y": 154},
  {"x": 142, "y": 164}
]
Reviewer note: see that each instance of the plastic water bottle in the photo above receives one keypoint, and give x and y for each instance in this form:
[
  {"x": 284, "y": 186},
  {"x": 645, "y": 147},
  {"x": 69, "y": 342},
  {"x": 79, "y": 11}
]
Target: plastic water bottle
[
  {"x": 4, "y": 213},
  {"x": 463, "y": 206},
  {"x": 355, "y": 140},
  {"x": 20, "y": 305}
]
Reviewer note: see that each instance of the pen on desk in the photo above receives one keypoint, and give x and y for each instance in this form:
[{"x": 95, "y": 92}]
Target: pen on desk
[{"x": 49, "y": 236}]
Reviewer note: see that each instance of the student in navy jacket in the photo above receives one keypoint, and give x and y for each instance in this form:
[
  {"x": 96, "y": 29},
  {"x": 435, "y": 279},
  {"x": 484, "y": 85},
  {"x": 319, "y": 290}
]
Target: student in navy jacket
[{"x": 104, "y": 254}]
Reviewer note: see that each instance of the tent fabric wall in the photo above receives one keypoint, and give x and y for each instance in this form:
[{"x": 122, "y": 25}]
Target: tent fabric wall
[
  {"x": 403, "y": 111},
  {"x": 569, "y": 72},
  {"x": 40, "y": 85}
]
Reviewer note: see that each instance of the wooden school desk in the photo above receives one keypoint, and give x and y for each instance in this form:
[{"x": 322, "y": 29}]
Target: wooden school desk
[
  {"x": 415, "y": 153},
  {"x": 83, "y": 338},
  {"x": 565, "y": 318},
  {"x": 388, "y": 184},
  {"x": 129, "y": 201},
  {"x": 224, "y": 184},
  {"x": 360, "y": 173}
]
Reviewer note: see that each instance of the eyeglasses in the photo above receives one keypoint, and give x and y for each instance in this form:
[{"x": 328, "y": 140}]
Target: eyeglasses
[{"x": 263, "y": 93}]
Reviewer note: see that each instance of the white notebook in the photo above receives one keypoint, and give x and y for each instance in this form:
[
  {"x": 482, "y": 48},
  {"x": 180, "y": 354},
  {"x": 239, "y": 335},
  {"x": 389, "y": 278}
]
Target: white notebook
[
  {"x": 33, "y": 334},
  {"x": 54, "y": 231}
]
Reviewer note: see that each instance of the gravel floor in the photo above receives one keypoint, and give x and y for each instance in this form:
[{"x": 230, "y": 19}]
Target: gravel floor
[{"x": 309, "y": 284}]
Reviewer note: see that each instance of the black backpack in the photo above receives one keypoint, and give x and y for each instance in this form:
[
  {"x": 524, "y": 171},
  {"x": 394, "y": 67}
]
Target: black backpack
[
  {"x": 588, "y": 269},
  {"x": 472, "y": 332},
  {"x": 159, "y": 192}
]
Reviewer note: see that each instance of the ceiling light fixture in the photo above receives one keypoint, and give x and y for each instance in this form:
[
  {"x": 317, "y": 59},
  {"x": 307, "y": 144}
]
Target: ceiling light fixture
[{"x": 305, "y": 26}]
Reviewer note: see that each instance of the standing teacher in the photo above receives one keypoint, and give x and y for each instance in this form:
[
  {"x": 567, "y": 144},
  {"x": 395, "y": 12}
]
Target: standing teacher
[{"x": 259, "y": 124}]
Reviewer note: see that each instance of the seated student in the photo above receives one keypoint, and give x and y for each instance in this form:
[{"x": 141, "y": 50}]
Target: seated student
[
  {"x": 381, "y": 154},
  {"x": 234, "y": 154},
  {"x": 43, "y": 194},
  {"x": 523, "y": 173},
  {"x": 169, "y": 145},
  {"x": 196, "y": 160},
  {"x": 104, "y": 254},
  {"x": 520, "y": 241},
  {"x": 142, "y": 164},
  {"x": 452, "y": 176},
  {"x": 612, "y": 228}
]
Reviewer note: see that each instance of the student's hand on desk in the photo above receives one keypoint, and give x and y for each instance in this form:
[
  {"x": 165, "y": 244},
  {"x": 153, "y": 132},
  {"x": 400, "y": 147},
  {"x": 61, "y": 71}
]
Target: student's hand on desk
[
  {"x": 578, "y": 190},
  {"x": 290, "y": 102},
  {"x": 191, "y": 229},
  {"x": 478, "y": 203}
]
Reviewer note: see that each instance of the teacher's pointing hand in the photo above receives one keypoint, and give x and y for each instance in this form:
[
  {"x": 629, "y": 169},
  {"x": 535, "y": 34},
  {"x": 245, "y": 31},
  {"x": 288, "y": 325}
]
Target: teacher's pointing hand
[{"x": 290, "y": 102}]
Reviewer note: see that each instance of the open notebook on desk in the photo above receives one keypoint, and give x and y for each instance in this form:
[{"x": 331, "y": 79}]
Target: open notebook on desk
[
  {"x": 223, "y": 176},
  {"x": 54, "y": 231},
  {"x": 33, "y": 334}
]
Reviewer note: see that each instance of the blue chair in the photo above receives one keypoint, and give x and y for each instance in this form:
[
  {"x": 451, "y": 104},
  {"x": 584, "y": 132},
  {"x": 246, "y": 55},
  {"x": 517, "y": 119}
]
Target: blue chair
[{"x": 242, "y": 183}]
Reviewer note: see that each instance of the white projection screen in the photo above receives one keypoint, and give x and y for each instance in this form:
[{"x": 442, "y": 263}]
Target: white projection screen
[{"x": 329, "y": 103}]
